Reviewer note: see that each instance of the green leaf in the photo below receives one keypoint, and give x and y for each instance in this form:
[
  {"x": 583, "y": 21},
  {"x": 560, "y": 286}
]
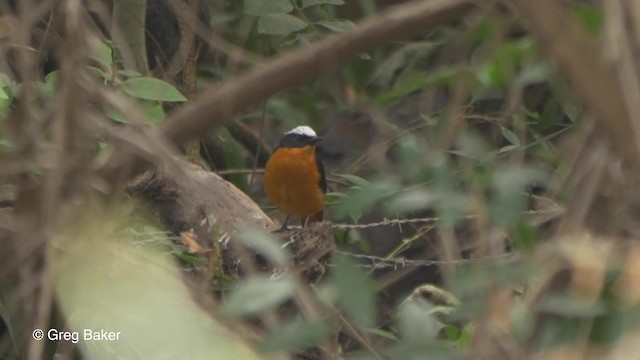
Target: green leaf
[
  {"x": 295, "y": 335},
  {"x": 411, "y": 82},
  {"x": 590, "y": 16},
  {"x": 364, "y": 197},
  {"x": 523, "y": 234},
  {"x": 451, "y": 332},
  {"x": 516, "y": 52},
  {"x": 382, "y": 333},
  {"x": 51, "y": 82},
  {"x": 466, "y": 336},
  {"x": 153, "y": 113},
  {"x": 510, "y": 136},
  {"x": 402, "y": 61},
  {"x": 509, "y": 197},
  {"x": 258, "y": 294},
  {"x": 481, "y": 33},
  {"x": 4, "y": 107},
  {"x": 508, "y": 148},
  {"x": 266, "y": 245},
  {"x": 355, "y": 292},
  {"x": 103, "y": 53},
  {"x": 265, "y": 7},
  {"x": 337, "y": 25},
  {"x": 152, "y": 89},
  {"x": 129, "y": 73},
  {"x": 280, "y": 24},
  {"x": 5, "y": 80},
  {"x": 307, "y": 3},
  {"x": 492, "y": 74},
  {"x": 6, "y": 146},
  {"x": 99, "y": 73},
  {"x": 412, "y": 200},
  {"x": 115, "y": 114},
  {"x": 356, "y": 180},
  {"x": 355, "y": 214},
  {"x": 533, "y": 74}
]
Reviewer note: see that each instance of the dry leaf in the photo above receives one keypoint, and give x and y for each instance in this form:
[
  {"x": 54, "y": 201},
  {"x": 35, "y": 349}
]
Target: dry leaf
[{"x": 190, "y": 240}]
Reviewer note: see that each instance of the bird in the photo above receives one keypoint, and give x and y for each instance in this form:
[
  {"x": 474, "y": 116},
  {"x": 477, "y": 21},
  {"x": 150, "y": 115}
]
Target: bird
[{"x": 294, "y": 177}]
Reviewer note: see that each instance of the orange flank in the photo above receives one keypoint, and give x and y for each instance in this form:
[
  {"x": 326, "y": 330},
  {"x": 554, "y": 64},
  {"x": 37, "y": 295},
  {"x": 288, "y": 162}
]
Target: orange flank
[{"x": 292, "y": 180}]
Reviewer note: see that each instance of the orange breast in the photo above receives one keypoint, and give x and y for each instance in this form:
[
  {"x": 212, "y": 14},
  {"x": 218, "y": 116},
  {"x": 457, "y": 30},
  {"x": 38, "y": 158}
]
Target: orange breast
[{"x": 291, "y": 181}]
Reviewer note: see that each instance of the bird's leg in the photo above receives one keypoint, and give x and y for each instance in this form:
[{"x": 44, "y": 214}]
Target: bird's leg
[
  {"x": 284, "y": 226},
  {"x": 305, "y": 221}
]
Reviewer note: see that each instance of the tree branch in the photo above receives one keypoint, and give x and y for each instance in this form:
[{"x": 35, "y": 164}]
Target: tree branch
[
  {"x": 220, "y": 102},
  {"x": 128, "y": 31}
]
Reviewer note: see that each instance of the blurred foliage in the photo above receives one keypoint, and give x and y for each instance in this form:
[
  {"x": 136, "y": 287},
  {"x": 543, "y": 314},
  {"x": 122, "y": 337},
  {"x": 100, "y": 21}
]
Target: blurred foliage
[
  {"x": 104, "y": 283},
  {"x": 148, "y": 92},
  {"x": 476, "y": 152},
  {"x": 493, "y": 157}
]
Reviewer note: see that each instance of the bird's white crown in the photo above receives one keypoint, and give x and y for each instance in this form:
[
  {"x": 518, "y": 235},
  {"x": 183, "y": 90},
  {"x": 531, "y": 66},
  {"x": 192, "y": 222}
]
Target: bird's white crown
[{"x": 302, "y": 130}]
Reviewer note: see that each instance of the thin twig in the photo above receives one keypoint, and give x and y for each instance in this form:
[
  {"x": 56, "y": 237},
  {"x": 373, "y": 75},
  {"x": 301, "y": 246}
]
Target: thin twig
[
  {"x": 356, "y": 335},
  {"x": 396, "y": 263},
  {"x": 426, "y": 220}
]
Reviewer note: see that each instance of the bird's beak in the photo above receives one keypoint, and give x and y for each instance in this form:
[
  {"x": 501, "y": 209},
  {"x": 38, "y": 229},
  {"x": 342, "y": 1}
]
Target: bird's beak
[{"x": 317, "y": 139}]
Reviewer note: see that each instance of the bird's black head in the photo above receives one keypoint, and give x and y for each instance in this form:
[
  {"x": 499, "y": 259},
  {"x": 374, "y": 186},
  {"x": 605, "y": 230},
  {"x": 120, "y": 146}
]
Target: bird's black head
[{"x": 300, "y": 136}]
